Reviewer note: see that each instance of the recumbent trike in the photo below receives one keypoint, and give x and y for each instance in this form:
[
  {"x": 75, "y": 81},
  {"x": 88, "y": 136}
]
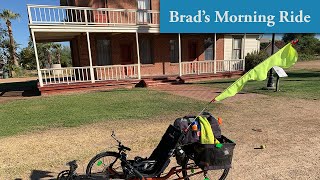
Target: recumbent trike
[{"x": 194, "y": 160}]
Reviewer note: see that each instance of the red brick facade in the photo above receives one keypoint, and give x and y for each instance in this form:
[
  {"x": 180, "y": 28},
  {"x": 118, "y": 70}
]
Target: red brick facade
[
  {"x": 120, "y": 4},
  {"x": 160, "y": 43}
]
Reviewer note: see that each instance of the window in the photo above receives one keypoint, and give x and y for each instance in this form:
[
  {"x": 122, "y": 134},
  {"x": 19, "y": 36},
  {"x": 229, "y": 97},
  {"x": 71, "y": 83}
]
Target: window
[
  {"x": 174, "y": 51},
  {"x": 192, "y": 53},
  {"x": 146, "y": 51},
  {"x": 208, "y": 49},
  {"x": 237, "y": 48},
  {"x": 99, "y": 4},
  {"x": 103, "y": 52},
  {"x": 143, "y": 16}
]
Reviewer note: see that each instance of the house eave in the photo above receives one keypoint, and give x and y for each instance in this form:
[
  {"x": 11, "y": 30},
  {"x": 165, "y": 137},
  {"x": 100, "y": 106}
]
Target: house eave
[{"x": 95, "y": 28}]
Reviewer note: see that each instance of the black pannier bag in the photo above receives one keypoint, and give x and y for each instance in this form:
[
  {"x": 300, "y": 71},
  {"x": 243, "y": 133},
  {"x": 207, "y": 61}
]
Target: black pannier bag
[{"x": 211, "y": 157}]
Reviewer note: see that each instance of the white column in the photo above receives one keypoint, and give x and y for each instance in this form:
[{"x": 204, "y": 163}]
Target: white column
[
  {"x": 180, "y": 65},
  {"x": 90, "y": 58},
  {"x": 215, "y": 54},
  {"x": 37, "y": 59},
  {"x": 29, "y": 15},
  {"x": 138, "y": 54},
  {"x": 244, "y": 52}
]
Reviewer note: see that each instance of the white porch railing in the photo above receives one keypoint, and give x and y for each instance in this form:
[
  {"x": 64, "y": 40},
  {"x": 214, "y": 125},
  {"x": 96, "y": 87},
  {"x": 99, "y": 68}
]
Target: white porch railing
[
  {"x": 116, "y": 72},
  {"x": 63, "y": 15},
  {"x": 65, "y": 75},
  {"x": 212, "y": 66},
  {"x": 230, "y": 65},
  {"x": 71, "y": 75}
]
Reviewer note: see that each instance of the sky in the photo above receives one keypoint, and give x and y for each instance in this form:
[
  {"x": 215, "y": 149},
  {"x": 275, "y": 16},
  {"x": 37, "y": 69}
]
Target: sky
[{"x": 20, "y": 27}]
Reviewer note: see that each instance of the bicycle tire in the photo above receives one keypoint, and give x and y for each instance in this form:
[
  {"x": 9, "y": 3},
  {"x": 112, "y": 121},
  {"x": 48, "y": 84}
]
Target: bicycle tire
[
  {"x": 211, "y": 174},
  {"x": 64, "y": 175},
  {"x": 96, "y": 161}
]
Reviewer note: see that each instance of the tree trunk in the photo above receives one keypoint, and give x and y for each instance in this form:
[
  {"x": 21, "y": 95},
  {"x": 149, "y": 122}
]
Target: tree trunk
[
  {"x": 12, "y": 48},
  {"x": 59, "y": 57},
  {"x": 49, "y": 57}
]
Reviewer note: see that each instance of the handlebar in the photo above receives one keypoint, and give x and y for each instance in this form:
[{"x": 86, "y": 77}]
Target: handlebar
[{"x": 121, "y": 147}]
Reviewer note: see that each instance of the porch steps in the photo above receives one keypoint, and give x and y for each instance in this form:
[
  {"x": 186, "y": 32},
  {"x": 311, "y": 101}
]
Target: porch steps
[
  {"x": 87, "y": 86},
  {"x": 205, "y": 77},
  {"x": 158, "y": 81}
]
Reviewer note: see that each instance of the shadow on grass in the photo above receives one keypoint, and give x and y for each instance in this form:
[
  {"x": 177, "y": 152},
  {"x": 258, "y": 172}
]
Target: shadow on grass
[
  {"x": 309, "y": 74},
  {"x": 28, "y": 88},
  {"x": 39, "y": 174},
  {"x": 215, "y": 82}
]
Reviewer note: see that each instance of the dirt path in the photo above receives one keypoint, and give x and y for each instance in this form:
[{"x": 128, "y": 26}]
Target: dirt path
[
  {"x": 307, "y": 65},
  {"x": 201, "y": 92}
]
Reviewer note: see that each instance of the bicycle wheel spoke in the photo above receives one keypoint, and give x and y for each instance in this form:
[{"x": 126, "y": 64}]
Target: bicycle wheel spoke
[{"x": 105, "y": 165}]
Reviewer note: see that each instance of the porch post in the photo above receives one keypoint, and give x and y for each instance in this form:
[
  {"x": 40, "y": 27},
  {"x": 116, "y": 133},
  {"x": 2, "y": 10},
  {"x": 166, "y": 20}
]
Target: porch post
[
  {"x": 138, "y": 54},
  {"x": 37, "y": 58},
  {"x": 215, "y": 54},
  {"x": 244, "y": 52},
  {"x": 90, "y": 58},
  {"x": 180, "y": 65}
]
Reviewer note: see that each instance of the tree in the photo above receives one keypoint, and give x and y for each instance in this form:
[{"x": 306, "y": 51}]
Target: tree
[
  {"x": 57, "y": 50},
  {"x": 308, "y": 43},
  {"x": 53, "y": 52},
  {"x": 8, "y": 15},
  {"x": 2, "y": 50}
]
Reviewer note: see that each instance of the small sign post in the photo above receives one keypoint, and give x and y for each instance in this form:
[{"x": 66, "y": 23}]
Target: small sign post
[{"x": 280, "y": 73}]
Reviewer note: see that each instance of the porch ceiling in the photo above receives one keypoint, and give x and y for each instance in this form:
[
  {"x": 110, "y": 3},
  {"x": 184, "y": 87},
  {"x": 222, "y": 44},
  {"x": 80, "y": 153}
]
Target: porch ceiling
[{"x": 54, "y": 36}]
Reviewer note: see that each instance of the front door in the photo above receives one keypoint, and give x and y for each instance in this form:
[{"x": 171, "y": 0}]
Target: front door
[{"x": 126, "y": 54}]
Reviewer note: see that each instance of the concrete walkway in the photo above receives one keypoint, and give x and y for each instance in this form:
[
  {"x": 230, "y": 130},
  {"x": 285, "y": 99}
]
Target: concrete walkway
[
  {"x": 199, "y": 92},
  {"x": 13, "y": 80}
]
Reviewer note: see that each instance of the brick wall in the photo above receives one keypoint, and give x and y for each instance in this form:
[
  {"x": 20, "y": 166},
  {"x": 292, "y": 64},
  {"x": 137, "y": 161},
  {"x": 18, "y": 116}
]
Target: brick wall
[
  {"x": 120, "y": 4},
  {"x": 82, "y": 49},
  {"x": 220, "y": 47}
]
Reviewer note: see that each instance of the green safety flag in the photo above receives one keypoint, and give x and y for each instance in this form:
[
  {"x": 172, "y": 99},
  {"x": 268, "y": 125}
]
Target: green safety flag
[{"x": 285, "y": 58}]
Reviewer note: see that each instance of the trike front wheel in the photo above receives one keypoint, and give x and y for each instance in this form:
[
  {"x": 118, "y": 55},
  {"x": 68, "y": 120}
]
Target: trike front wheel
[{"x": 107, "y": 165}]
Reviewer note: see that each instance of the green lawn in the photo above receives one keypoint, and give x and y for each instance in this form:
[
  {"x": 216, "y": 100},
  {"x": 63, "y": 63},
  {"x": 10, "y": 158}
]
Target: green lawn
[
  {"x": 303, "y": 84},
  {"x": 73, "y": 110}
]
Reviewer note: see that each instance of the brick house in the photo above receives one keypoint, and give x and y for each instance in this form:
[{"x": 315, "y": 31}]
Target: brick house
[{"x": 119, "y": 40}]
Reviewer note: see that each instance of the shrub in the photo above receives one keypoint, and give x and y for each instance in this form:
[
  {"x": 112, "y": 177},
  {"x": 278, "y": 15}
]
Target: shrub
[
  {"x": 254, "y": 58},
  {"x": 306, "y": 57}
]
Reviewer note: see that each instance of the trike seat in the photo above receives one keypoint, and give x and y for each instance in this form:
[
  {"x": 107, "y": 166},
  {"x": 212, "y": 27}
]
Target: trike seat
[{"x": 160, "y": 157}]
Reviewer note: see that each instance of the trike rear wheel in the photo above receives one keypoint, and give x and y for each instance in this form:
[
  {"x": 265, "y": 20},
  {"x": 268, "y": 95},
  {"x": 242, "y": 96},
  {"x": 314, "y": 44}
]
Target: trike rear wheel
[
  {"x": 106, "y": 165},
  {"x": 190, "y": 173}
]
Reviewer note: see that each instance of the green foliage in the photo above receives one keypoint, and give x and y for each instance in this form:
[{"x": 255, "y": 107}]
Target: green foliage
[
  {"x": 263, "y": 45},
  {"x": 66, "y": 56},
  {"x": 306, "y": 57},
  {"x": 7, "y": 14},
  {"x": 27, "y": 58},
  {"x": 308, "y": 44},
  {"x": 48, "y": 53},
  {"x": 254, "y": 58}
]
